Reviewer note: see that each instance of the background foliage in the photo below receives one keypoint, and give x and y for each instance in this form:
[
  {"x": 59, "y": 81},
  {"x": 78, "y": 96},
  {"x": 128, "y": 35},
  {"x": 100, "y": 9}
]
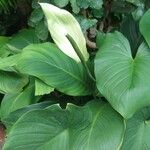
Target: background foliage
[{"x": 49, "y": 101}]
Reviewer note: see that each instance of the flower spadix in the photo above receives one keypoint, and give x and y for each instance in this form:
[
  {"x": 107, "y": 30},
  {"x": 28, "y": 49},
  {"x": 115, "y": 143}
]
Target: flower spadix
[{"x": 66, "y": 32}]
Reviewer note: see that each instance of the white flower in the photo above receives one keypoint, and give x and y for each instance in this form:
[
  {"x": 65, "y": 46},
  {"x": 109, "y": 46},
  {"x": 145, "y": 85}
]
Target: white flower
[{"x": 62, "y": 25}]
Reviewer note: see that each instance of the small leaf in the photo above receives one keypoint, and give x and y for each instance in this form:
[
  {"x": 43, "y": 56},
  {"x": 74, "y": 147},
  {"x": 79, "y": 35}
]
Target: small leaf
[
  {"x": 41, "y": 31},
  {"x": 36, "y": 16},
  {"x": 86, "y": 23},
  {"x": 63, "y": 25},
  {"x": 95, "y": 4},
  {"x": 42, "y": 88},
  {"x": 60, "y": 3},
  {"x": 75, "y": 7}
]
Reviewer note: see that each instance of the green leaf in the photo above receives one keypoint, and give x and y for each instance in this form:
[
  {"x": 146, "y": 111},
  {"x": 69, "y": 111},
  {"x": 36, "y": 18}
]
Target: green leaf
[
  {"x": 144, "y": 26},
  {"x": 36, "y": 16},
  {"x": 67, "y": 32},
  {"x": 12, "y": 102},
  {"x": 96, "y": 4},
  {"x": 22, "y": 39},
  {"x": 75, "y": 7},
  {"x": 48, "y": 63},
  {"x": 124, "y": 81},
  {"x": 7, "y": 63},
  {"x": 11, "y": 82},
  {"x": 139, "y": 12},
  {"x": 87, "y": 128},
  {"x": 121, "y": 6},
  {"x": 3, "y": 41},
  {"x": 42, "y": 88},
  {"x": 9, "y": 120},
  {"x": 136, "y": 2},
  {"x": 83, "y": 4},
  {"x": 86, "y": 23},
  {"x": 132, "y": 34},
  {"x": 3, "y": 49},
  {"x": 41, "y": 31},
  {"x": 100, "y": 37},
  {"x": 137, "y": 133},
  {"x": 59, "y": 3}
]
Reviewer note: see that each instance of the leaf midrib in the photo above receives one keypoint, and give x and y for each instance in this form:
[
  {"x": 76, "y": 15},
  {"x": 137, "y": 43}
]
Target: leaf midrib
[
  {"x": 94, "y": 121},
  {"x": 66, "y": 72}
]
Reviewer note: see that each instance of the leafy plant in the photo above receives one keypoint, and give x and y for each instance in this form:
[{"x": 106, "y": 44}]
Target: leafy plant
[
  {"x": 78, "y": 78},
  {"x": 5, "y": 5}
]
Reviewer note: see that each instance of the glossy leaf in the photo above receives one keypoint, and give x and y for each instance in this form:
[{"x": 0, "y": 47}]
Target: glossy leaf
[
  {"x": 124, "y": 81},
  {"x": 49, "y": 64},
  {"x": 144, "y": 26},
  {"x": 64, "y": 28},
  {"x": 94, "y": 126}
]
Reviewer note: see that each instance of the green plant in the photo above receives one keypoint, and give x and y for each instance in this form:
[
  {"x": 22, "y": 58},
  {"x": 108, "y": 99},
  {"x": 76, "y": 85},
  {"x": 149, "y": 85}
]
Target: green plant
[
  {"x": 5, "y": 5},
  {"x": 64, "y": 91}
]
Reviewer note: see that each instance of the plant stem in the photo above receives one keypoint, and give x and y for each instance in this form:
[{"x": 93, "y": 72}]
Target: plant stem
[{"x": 77, "y": 50}]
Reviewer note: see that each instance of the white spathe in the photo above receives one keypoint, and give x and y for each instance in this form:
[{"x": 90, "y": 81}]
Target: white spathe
[{"x": 62, "y": 23}]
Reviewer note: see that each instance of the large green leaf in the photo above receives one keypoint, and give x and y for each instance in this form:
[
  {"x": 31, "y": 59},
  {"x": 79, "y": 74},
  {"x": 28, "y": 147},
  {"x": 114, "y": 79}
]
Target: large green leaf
[
  {"x": 22, "y": 39},
  {"x": 92, "y": 127},
  {"x": 11, "y": 82},
  {"x": 48, "y": 63},
  {"x": 145, "y": 25},
  {"x": 124, "y": 81},
  {"x": 11, "y": 118},
  {"x": 137, "y": 135},
  {"x": 12, "y": 102}
]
